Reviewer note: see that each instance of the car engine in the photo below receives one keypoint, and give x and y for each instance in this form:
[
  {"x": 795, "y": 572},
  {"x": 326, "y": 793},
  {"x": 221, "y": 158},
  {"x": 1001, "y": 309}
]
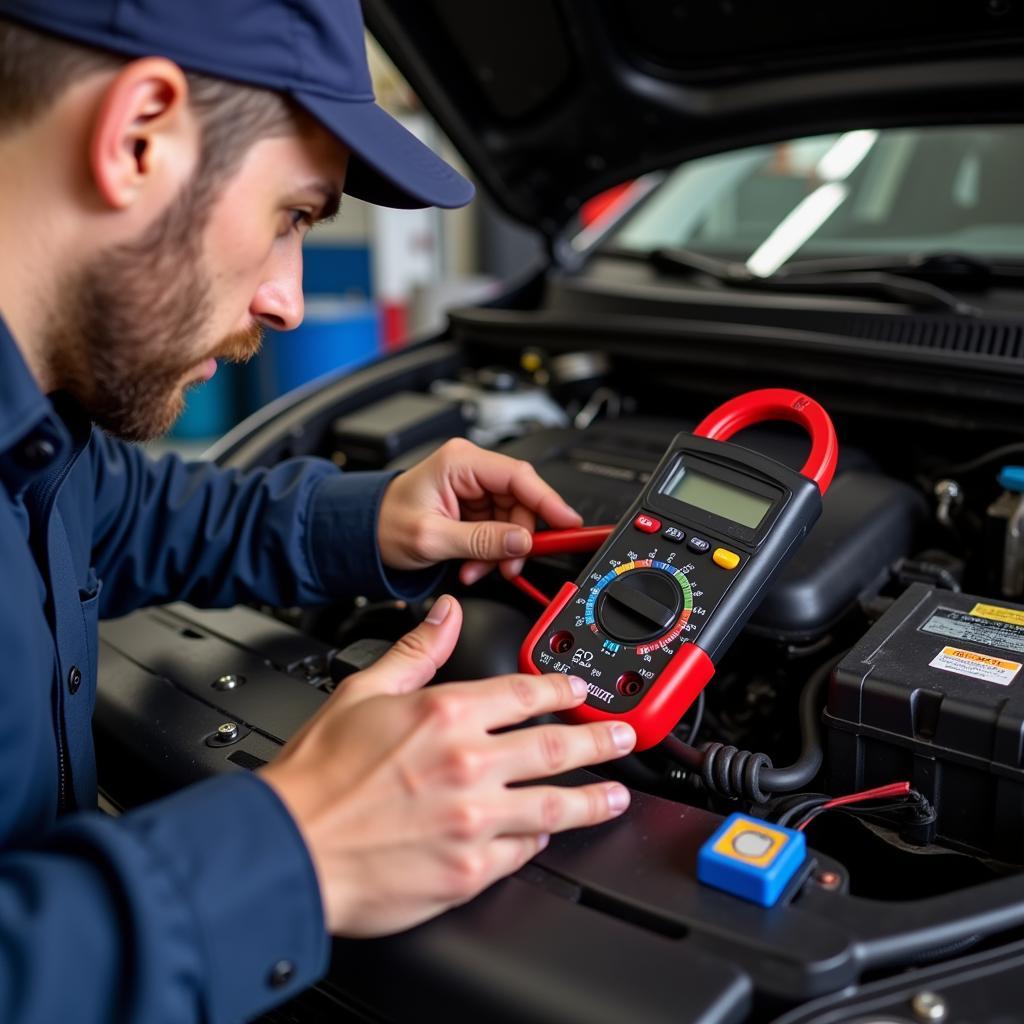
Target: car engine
[{"x": 856, "y": 671}]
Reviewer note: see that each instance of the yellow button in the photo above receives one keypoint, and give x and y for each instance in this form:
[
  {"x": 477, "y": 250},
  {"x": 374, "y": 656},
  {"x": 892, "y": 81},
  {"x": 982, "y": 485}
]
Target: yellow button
[{"x": 726, "y": 559}]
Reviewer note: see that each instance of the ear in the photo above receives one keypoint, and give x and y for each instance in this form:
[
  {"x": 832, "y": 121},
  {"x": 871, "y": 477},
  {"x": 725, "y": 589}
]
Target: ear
[{"x": 145, "y": 139}]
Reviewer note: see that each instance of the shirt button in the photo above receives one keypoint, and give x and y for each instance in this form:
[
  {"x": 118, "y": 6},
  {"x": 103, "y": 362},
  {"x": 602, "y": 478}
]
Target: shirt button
[
  {"x": 281, "y": 973},
  {"x": 36, "y": 453},
  {"x": 74, "y": 679}
]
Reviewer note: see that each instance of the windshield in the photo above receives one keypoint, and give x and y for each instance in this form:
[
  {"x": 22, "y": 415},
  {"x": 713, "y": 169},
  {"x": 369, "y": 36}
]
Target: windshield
[{"x": 890, "y": 192}]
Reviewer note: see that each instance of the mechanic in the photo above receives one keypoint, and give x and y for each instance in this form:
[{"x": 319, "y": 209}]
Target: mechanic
[{"x": 160, "y": 164}]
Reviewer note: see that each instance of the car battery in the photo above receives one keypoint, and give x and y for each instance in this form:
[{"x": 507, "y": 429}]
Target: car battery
[{"x": 933, "y": 694}]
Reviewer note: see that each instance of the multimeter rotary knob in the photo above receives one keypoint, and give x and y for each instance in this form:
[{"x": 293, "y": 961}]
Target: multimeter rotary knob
[{"x": 638, "y": 606}]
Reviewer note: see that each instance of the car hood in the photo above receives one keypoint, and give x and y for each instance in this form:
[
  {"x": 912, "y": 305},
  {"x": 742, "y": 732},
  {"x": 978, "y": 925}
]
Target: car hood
[{"x": 553, "y": 101}]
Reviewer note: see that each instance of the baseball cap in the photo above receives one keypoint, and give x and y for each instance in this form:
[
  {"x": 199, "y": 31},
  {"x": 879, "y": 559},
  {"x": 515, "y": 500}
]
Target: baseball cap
[{"x": 311, "y": 50}]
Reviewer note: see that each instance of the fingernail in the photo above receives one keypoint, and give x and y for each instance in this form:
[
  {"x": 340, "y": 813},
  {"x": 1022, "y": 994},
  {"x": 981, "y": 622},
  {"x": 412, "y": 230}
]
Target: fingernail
[
  {"x": 476, "y": 574},
  {"x": 513, "y": 568},
  {"x": 579, "y": 687},
  {"x": 517, "y": 542},
  {"x": 439, "y": 612},
  {"x": 623, "y": 736},
  {"x": 542, "y": 842},
  {"x": 618, "y": 799}
]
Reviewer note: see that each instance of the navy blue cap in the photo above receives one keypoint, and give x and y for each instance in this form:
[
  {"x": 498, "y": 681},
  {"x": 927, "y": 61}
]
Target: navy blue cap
[{"x": 311, "y": 50}]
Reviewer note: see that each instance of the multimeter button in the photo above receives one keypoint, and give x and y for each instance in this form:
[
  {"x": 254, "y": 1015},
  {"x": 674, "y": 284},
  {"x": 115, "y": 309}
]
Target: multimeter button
[
  {"x": 698, "y": 544},
  {"x": 647, "y": 524},
  {"x": 726, "y": 559},
  {"x": 674, "y": 533}
]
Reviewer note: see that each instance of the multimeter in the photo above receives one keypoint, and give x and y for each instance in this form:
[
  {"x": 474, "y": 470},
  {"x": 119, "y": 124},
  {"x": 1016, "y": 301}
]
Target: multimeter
[{"x": 680, "y": 575}]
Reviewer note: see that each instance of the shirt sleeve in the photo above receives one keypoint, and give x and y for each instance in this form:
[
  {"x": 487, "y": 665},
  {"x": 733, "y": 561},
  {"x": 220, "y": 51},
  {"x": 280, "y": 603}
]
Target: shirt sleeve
[
  {"x": 202, "y": 907},
  {"x": 300, "y": 533}
]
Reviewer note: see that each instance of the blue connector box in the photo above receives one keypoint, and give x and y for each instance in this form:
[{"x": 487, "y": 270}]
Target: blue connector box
[{"x": 751, "y": 859}]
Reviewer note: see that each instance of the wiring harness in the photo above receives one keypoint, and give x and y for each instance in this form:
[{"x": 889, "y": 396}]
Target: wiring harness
[{"x": 901, "y": 806}]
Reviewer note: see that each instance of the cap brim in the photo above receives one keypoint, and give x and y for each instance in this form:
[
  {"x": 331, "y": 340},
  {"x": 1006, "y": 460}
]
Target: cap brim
[{"x": 389, "y": 166}]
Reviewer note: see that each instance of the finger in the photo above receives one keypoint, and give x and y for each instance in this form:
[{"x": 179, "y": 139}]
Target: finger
[
  {"x": 518, "y": 515},
  {"x": 550, "y": 749},
  {"x": 549, "y": 809},
  {"x": 507, "y": 854},
  {"x": 507, "y": 700},
  {"x": 494, "y": 473},
  {"x": 486, "y": 540},
  {"x": 472, "y": 572},
  {"x": 414, "y": 659}
]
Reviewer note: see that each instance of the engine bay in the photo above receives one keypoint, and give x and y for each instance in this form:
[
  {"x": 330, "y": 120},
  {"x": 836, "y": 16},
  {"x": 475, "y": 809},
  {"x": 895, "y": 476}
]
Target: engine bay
[{"x": 844, "y": 673}]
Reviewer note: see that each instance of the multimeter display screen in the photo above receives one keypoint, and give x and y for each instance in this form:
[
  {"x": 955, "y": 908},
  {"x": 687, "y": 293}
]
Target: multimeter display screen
[{"x": 716, "y": 496}]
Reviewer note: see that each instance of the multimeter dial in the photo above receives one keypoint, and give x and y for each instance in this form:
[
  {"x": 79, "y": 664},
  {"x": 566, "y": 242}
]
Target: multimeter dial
[{"x": 643, "y": 603}]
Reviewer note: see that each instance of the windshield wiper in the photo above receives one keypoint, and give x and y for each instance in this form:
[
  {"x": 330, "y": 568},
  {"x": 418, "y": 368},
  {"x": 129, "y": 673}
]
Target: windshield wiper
[
  {"x": 972, "y": 272},
  {"x": 846, "y": 279}
]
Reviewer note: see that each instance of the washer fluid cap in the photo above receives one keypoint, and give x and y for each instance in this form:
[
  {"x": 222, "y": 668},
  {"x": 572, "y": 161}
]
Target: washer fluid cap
[{"x": 1011, "y": 478}]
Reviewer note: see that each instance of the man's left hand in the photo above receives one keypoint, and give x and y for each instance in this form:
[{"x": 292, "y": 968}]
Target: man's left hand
[{"x": 465, "y": 502}]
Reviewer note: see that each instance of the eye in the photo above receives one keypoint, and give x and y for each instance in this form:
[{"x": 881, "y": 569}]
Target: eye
[{"x": 297, "y": 220}]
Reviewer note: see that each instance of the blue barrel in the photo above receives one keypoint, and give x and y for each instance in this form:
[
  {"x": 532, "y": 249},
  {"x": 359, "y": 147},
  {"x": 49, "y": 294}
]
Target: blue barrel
[
  {"x": 211, "y": 408},
  {"x": 337, "y": 333}
]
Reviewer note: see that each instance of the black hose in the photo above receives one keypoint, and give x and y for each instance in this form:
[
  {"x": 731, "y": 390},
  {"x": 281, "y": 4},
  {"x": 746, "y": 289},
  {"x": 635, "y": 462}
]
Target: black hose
[
  {"x": 803, "y": 770},
  {"x": 675, "y": 749},
  {"x": 743, "y": 774}
]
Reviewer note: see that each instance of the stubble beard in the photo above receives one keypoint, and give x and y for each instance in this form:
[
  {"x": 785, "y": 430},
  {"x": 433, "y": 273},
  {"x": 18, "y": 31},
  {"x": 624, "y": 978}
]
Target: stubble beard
[{"x": 130, "y": 324}]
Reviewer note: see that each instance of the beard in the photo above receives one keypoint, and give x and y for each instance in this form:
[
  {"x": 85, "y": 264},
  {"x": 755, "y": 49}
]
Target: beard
[{"x": 130, "y": 325}]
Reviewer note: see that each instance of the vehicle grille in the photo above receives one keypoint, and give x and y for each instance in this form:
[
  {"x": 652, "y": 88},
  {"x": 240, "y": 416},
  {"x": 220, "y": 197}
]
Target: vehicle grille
[{"x": 945, "y": 333}]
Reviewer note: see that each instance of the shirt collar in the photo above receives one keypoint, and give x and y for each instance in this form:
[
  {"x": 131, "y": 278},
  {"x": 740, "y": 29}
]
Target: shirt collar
[{"x": 32, "y": 435}]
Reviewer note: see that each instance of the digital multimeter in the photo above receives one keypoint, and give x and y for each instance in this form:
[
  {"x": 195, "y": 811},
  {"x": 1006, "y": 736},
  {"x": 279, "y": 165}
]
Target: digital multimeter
[{"x": 678, "y": 578}]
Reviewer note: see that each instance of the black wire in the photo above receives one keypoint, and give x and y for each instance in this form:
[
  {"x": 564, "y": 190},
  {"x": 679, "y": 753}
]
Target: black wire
[
  {"x": 807, "y": 765},
  {"x": 982, "y": 460},
  {"x": 689, "y": 757},
  {"x": 912, "y": 801},
  {"x": 698, "y": 717},
  {"x": 801, "y": 808},
  {"x": 743, "y": 774}
]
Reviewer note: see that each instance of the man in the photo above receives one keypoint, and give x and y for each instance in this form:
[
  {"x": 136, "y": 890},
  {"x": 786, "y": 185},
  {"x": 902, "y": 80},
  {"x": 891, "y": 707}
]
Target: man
[{"x": 159, "y": 165}]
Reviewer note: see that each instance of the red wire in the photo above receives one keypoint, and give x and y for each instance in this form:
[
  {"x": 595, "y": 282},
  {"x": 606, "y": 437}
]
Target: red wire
[
  {"x": 893, "y": 789},
  {"x": 530, "y": 590},
  {"x": 557, "y": 542}
]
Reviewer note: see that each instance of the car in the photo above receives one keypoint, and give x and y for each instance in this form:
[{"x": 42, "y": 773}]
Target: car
[{"x": 819, "y": 198}]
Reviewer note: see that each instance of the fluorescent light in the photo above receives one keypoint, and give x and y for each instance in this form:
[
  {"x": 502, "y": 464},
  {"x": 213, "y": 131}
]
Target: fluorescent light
[
  {"x": 838, "y": 163},
  {"x": 796, "y": 227},
  {"x": 844, "y": 156}
]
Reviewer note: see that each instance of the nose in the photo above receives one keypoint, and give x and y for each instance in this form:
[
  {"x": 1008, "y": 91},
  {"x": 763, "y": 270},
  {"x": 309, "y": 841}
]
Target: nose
[{"x": 278, "y": 301}]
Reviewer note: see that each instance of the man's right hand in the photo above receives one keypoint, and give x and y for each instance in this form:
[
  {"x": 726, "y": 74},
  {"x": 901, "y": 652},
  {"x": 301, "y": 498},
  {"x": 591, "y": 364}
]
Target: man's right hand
[{"x": 404, "y": 796}]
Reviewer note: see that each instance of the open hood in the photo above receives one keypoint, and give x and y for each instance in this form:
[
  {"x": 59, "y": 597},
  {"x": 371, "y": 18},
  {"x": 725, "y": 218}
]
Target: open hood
[{"x": 552, "y": 101}]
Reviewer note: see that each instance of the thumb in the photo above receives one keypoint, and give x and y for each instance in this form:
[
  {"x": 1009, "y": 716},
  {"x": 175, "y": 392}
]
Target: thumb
[
  {"x": 414, "y": 659},
  {"x": 485, "y": 541}
]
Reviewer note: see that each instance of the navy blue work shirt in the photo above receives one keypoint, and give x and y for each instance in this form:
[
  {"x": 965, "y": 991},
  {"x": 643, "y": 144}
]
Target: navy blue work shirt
[{"x": 145, "y": 917}]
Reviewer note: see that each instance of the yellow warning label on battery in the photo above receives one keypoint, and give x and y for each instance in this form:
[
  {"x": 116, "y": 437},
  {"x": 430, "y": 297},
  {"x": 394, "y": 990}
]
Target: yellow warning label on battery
[
  {"x": 976, "y": 666},
  {"x": 993, "y": 611}
]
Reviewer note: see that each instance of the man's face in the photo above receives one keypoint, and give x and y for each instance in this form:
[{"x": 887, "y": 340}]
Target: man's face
[{"x": 146, "y": 320}]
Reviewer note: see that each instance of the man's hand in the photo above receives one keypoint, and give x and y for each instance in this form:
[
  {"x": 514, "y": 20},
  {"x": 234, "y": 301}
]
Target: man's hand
[
  {"x": 465, "y": 502},
  {"x": 404, "y": 794}
]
